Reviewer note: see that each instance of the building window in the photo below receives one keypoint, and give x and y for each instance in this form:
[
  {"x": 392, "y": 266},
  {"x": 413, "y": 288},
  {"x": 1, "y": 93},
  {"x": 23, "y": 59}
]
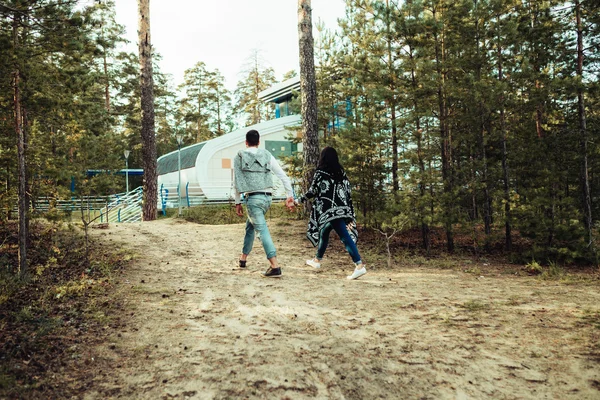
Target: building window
[
  {"x": 226, "y": 163},
  {"x": 281, "y": 148}
]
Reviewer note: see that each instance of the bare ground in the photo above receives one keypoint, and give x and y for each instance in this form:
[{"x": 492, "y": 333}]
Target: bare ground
[{"x": 199, "y": 327}]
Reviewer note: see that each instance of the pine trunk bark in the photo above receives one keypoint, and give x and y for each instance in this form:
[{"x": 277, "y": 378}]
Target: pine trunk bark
[
  {"x": 425, "y": 231},
  {"x": 539, "y": 108},
  {"x": 7, "y": 189},
  {"x": 308, "y": 92},
  {"x": 395, "y": 183},
  {"x": 106, "y": 84},
  {"x": 392, "y": 101},
  {"x": 487, "y": 212},
  {"x": 584, "y": 176},
  {"x": 21, "y": 164},
  {"x": 505, "y": 175},
  {"x": 446, "y": 139},
  {"x": 147, "y": 93}
]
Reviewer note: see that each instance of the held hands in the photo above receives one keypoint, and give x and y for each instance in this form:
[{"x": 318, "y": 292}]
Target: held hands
[
  {"x": 290, "y": 203},
  {"x": 239, "y": 210}
]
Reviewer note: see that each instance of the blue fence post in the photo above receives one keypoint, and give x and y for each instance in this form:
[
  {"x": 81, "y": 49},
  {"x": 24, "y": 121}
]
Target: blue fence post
[
  {"x": 164, "y": 202},
  {"x": 119, "y": 215},
  {"x": 101, "y": 216},
  {"x": 187, "y": 194}
]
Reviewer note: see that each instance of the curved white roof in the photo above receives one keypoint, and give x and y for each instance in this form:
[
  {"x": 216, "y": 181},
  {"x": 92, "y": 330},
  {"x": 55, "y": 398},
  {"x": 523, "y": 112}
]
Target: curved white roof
[{"x": 237, "y": 137}]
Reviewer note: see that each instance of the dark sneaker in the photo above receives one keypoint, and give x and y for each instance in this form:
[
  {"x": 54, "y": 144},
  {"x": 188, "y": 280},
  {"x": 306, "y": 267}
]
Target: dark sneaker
[
  {"x": 242, "y": 263},
  {"x": 272, "y": 273}
]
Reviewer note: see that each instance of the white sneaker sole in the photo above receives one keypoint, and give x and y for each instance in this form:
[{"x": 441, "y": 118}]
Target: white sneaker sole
[
  {"x": 313, "y": 264},
  {"x": 357, "y": 274}
]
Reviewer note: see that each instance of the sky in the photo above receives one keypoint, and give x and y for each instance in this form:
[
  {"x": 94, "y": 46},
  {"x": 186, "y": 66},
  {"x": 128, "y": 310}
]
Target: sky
[{"x": 224, "y": 33}]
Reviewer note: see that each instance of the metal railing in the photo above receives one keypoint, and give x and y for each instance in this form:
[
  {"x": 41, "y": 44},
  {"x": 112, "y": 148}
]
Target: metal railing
[
  {"x": 44, "y": 204},
  {"x": 126, "y": 207},
  {"x": 191, "y": 195}
]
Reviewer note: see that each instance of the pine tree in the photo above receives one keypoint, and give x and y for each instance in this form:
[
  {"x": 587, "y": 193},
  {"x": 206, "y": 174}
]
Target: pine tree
[
  {"x": 147, "y": 100},
  {"x": 308, "y": 92},
  {"x": 206, "y": 103},
  {"x": 60, "y": 105},
  {"x": 256, "y": 78},
  {"x": 581, "y": 116},
  {"x": 193, "y": 104}
]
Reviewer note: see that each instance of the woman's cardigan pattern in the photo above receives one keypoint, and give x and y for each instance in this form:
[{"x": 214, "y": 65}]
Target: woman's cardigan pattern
[{"x": 333, "y": 200}]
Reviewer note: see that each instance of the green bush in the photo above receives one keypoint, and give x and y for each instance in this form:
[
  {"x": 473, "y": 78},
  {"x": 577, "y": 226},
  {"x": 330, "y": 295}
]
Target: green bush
[{"x": 224, "y": 214}]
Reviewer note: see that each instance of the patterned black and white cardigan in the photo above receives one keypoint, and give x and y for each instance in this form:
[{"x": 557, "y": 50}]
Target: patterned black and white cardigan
[{"x": 333, "y": 200}]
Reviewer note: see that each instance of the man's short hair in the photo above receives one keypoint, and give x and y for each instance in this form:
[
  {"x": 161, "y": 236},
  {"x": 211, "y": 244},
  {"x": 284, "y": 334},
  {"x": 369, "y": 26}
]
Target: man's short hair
[{"x": 252, "y": 137}]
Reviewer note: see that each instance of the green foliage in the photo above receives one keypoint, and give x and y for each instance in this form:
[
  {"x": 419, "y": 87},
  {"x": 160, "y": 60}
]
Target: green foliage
[
  {"x": 482, "y": 97},
  {"x": 533, "y": 268},
  {"x": 455, "y": 115},
  {"x": 61, "y": 300},
  {"x": 475, "y": 305},
  {"x": 224, "y": 214},
  {"x": 256, "y": 78},
  {"x": 205, "y": 109},
  {"x": 553, "y": 271}
]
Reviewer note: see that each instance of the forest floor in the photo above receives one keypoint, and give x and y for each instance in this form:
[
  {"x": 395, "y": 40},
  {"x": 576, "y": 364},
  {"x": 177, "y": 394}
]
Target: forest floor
[{"x": 193, "y": 325}]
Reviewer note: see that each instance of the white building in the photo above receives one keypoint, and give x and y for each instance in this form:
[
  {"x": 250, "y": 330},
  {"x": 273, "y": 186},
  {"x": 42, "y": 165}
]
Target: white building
[{"x": 207, "y": 167}]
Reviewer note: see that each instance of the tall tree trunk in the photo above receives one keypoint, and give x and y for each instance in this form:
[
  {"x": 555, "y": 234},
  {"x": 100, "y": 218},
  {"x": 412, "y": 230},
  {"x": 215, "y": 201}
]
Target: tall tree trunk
[
  {"x": 392, "y": 101},
  {"x": 22, "y": 189},
  {"x": 199, "y": 121},
  {"x": 584, "y": 177},
  {"x": 446, "y": 139},
  {"x": 487, "y": 205},
  {"x": 257, "y": 113},
  {"x": 539, "y": 107},
  {"x": 487, "y": 212},
  {"x": 106, "y": 84},
  {"x": 105, "y": 65},
  {"x": 395, "y": 184},
  {"x": 7, "y": 189},
  {"x": 148, "y": 137},
  {"x": 219, "y": 132},
  {"x": 308, "y": 92},
  {"x": 425, "y": 231},
  {"x": 505, "y": 175}
]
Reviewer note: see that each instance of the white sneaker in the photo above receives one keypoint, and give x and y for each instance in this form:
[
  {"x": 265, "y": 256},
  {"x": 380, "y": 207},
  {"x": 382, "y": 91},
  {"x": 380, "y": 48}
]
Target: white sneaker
[
  {"x": 313, "y": 263},
  {"x": 358, "y": 272}
]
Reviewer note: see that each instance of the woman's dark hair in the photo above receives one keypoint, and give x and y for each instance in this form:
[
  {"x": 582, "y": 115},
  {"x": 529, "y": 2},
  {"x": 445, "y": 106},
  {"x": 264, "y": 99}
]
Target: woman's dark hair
[{"x": 330, "y": 162}]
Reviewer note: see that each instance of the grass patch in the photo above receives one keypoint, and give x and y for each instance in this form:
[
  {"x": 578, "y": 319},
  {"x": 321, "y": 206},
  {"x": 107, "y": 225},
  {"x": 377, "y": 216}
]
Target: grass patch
[
  {"x": 473, "y": 270},
  {"x": 62, "y": 305},
  {"x": 515, "y": 301},
  {"x": 475, "y": 305},
  {"x": 224, "y": 214},
  {"x": 592, "y": 318},
  {"x": 6, "y": 380},
  {"x": 552, "y": 272}
]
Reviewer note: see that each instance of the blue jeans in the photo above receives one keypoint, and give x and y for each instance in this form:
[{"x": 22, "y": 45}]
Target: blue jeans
[
  {"x": 339, "y": 225},
  {"x": 257, "y": 206}
]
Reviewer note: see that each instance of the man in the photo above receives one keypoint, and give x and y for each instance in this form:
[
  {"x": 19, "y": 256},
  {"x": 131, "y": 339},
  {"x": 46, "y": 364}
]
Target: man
[{"x": 253, "y": 176}]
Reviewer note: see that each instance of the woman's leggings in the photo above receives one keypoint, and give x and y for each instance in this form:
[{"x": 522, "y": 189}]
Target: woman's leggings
[{"x": 339, "y": 225}]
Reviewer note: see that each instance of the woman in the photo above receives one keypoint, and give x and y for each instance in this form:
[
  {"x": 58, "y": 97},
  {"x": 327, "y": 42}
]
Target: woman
[{"x": 332, "y": 210}]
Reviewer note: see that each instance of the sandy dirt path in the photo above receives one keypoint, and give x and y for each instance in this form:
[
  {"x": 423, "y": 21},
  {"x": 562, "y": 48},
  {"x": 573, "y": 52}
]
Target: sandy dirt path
[{"x": 198, "y": 327}]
